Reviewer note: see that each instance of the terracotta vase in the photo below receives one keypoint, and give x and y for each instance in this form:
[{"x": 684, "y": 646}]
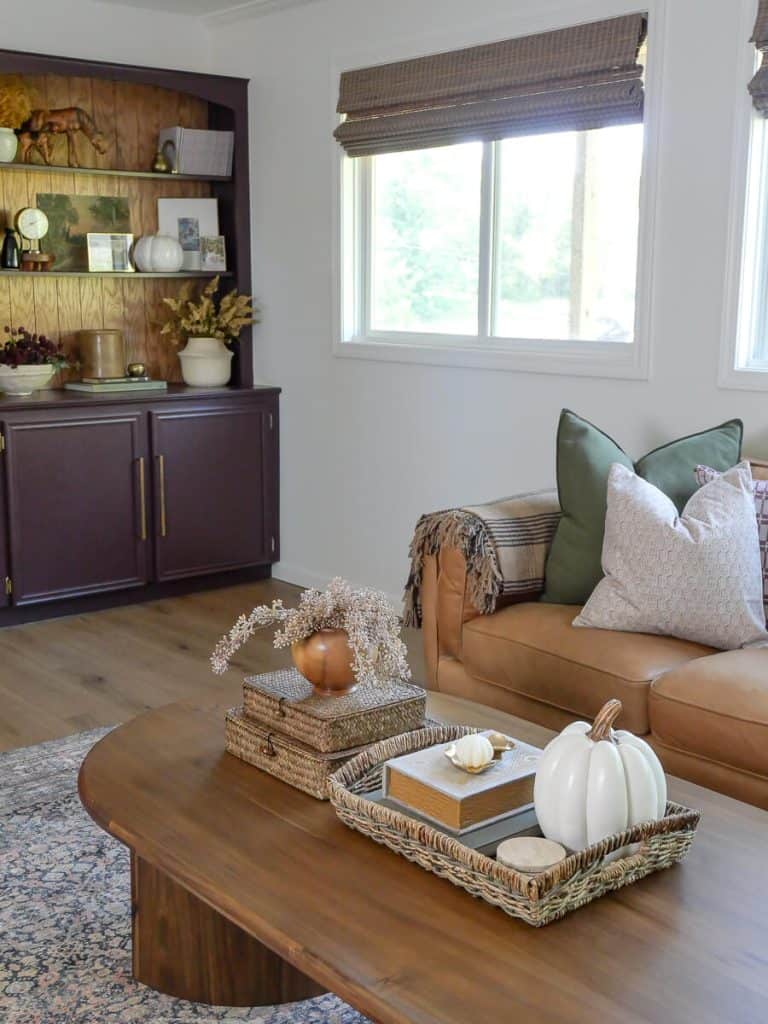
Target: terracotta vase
[{"x": 325, "y": 660}]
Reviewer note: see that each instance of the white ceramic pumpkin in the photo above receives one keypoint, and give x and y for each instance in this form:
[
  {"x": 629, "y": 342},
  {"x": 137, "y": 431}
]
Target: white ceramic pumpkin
[
  {"x": 594, "y": 781},
  {"x": 158, "y": 254}
]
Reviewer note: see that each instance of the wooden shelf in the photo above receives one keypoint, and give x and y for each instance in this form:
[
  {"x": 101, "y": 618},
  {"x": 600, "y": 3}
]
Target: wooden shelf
[
  {"x": 58, "y": 169},
  {"x": 112, "y": 273}
]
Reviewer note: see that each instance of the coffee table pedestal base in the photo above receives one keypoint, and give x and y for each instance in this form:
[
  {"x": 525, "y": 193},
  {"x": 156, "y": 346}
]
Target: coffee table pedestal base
[{"x": 183, "y": 948}]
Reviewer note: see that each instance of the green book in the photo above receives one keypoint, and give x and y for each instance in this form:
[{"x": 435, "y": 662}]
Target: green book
[{"x": 111, "y": 386}]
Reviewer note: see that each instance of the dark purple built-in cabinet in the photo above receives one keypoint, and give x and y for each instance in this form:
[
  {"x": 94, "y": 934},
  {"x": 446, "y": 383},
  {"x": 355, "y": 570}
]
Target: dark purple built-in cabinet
[
  {"x": 132, "y": 496},
  {"x": 111, "y": 499}
]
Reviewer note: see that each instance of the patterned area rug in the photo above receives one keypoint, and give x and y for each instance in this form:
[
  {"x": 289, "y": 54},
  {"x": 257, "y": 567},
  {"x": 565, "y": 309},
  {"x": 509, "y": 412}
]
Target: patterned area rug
[{"x": 65, "y": 946}]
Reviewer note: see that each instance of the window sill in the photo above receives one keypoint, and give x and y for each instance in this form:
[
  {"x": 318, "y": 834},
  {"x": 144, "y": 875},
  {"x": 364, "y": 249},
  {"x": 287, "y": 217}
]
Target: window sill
[
  {"x": 747, "y": 379},
  {"x": 566, "y": 358}
]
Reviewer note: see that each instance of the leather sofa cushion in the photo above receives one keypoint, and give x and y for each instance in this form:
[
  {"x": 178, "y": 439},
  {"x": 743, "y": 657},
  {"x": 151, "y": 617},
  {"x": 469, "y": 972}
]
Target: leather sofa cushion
[
  {"x": 716, "y": 708},
  {"x": 533, "y": 649}
]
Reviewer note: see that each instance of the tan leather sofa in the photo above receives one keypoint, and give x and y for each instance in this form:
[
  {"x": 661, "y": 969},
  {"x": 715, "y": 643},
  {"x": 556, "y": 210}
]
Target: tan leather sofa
[{"x": 705, "y": 712}]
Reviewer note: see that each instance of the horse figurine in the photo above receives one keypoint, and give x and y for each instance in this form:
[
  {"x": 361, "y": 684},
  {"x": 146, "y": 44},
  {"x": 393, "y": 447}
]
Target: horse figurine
[
  {"x": 65, "y": 121},
  {"x": 31, "y": 142}
]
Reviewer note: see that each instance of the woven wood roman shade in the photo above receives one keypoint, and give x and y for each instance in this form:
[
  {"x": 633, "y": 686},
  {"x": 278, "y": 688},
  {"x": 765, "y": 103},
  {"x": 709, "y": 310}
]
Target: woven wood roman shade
[
  {"x": 758, "y": 87},
  {"x": 571, "y": 79}
]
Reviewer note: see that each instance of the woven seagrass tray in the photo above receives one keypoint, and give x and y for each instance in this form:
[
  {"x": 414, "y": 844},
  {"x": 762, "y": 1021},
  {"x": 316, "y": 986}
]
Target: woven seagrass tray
[
  {"x": 288, "y": 703},
  {"x": 537, "y": 899}
]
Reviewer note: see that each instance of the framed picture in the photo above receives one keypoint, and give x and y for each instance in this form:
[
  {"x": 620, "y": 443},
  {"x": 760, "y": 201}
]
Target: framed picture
[
  {"x": 213, "y": 253},
  {"x": 109, "y": 252},
  {"x": 72, "y": 218},
  {"x": 189, "y": 220}
]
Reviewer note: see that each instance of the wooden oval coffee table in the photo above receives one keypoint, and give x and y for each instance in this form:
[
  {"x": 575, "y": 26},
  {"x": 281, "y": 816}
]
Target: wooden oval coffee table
[{"x": 248, "y": 892}]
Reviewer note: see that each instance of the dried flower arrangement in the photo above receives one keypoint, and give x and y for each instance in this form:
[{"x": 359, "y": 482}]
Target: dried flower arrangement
[
  {"x": 22, "y": 348},
  {"x": 15, "y": 101},
  {"x": 370, "y": 621},
  {"x": 207, "y": 318}
]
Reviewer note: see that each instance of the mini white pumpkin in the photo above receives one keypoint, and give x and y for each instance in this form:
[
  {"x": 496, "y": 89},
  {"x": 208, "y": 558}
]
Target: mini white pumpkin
[
  {"x": 158, "y": 254},
  {"x": 594, "y": 781},
  {"x": 473, "y": 752}
]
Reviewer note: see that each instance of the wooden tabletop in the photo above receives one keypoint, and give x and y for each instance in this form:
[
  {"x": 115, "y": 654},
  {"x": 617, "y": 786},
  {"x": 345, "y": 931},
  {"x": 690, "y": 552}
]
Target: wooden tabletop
[{"x": 685, "y": 945}]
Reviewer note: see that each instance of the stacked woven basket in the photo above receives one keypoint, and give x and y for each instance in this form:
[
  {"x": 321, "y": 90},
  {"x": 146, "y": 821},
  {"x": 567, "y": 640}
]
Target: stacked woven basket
[{"x": 288, "y": 730}]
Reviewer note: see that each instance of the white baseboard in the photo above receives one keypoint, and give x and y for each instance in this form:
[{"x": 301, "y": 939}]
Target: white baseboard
[{"x": 301, "y": 577}]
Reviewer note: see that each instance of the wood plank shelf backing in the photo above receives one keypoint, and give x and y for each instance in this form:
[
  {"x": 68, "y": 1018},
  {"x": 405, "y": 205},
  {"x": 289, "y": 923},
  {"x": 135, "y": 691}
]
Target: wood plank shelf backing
[
  {"x": 111, "y": 172},
  {"x": 58, "y": 304}
]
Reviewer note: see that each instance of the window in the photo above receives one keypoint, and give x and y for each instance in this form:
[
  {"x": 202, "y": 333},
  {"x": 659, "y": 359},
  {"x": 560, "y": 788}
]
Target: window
[
  {"x": 752, "y": 336},
  {"x": 490, "y": 203},
  {"x": 744, "y": 357},
  {"x": 531, "y": 238}
]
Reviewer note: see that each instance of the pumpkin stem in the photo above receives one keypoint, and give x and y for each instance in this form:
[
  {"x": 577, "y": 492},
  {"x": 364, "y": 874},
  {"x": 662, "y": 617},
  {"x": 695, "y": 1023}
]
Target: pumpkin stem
[{"x": 602, "y": 727}]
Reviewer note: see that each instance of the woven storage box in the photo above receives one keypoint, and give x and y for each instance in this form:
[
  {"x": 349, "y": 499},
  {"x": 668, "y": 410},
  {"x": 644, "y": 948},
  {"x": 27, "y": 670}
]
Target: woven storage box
[
  {"x": 539, "y": 899},
  {"x": 286, "y": 702},
  {"x": 284, "y": 757}
]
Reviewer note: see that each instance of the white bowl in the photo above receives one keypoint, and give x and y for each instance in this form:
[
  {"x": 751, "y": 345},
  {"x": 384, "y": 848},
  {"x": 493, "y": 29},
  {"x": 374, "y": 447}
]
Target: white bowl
[{"x": 23, "y": 380}]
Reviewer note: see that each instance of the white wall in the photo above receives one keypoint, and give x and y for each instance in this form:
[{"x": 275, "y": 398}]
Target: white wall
[
  {"x": 98, "y": 31},
  {"x": 368, "y": 446}
]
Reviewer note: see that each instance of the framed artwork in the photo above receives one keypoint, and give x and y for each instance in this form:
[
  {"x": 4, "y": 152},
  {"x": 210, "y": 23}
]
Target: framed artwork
[
  {"x": 72, "y": 218},
  {"x": 109, "y": 252},
  {"x": 189, "y": 220},
  {"x": 213, "y": 253}
]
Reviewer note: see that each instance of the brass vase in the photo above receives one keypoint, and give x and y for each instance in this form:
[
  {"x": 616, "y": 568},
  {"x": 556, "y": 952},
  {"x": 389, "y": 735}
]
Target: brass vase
[{"x": 325, "y": 660}]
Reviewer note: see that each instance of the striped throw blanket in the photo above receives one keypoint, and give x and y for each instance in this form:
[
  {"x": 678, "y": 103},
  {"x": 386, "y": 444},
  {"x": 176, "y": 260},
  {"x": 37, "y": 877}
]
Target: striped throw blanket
[{"x": 504, "y": 544}]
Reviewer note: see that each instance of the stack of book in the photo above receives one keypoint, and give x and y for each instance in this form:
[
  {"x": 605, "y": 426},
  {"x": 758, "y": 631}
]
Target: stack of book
[
  {"x": 197, "y": 150},
  {"x": 106, "y": 385},
  {"x": 288, "y": 730},
  {"x": 479, "y": 810}
]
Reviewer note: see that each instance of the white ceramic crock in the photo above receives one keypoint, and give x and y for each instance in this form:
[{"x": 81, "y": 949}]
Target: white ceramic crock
[
  {"x": 206, "y": 363},
  {"x": 23, "y": 380},
  {"x": 8, "y": 145}
]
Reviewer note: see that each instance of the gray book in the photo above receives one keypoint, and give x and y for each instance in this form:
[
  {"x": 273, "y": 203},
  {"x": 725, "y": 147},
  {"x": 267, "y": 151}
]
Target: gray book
[{"x": 484, "y": 836}]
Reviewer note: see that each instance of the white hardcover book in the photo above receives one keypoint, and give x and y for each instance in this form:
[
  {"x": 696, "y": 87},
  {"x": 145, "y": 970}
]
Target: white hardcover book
[{"x": 427, "y": 782}]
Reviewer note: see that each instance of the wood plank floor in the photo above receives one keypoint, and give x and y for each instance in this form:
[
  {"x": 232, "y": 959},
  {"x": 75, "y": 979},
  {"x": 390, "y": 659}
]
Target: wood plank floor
[{"x": 71, "y": 674}]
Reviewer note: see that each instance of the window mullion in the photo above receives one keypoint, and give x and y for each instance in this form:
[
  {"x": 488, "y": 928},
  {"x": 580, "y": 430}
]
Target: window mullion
[{"x": 486, "y": 241}]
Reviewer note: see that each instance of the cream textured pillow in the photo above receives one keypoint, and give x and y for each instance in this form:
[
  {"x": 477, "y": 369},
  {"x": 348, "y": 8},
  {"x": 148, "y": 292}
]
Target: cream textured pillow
[{"x": 696, "y": 576}]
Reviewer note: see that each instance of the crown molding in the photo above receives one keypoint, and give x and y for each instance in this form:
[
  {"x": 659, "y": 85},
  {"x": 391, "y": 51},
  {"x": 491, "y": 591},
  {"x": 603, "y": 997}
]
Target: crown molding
[{"x": 252, "y": 9}]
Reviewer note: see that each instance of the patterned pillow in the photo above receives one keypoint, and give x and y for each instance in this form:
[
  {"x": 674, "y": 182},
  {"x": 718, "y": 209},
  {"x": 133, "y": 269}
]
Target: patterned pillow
[
  {"x": 695, "y": 576},
  {"x": 705, "y": 474}
]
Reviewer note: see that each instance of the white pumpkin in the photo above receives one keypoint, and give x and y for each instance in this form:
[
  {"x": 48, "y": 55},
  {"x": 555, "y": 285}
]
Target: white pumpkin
[
  {"x": 594, "y": 781},
  {"x": 158, "y": 254}
]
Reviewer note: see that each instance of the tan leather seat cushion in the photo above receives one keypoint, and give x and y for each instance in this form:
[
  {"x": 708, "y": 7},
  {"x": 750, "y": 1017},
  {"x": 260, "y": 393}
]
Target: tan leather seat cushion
[
  {"x": 534, "y": 650},
  {"x": 716, "y": 708}
]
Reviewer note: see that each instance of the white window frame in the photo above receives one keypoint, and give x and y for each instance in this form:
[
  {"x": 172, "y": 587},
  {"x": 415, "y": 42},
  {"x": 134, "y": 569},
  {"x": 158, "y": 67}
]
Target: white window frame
[
  {"x": 566, "y": 357},
  {"x": 746, "y": 299}
]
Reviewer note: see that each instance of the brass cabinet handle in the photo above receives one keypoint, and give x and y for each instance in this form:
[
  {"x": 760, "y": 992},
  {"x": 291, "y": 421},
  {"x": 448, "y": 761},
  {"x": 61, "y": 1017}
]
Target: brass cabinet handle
[
  {"x": 161, "y": 468},
  {"x": 142, "y": 499}
]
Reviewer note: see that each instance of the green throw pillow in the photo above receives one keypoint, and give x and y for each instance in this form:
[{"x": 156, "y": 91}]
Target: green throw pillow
[{"x": 584, "y": 458}]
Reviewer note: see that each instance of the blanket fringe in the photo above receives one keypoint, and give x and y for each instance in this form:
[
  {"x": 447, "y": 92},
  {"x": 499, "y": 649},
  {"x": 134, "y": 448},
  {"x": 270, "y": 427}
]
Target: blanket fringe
[{"x": 465, "y": 531}]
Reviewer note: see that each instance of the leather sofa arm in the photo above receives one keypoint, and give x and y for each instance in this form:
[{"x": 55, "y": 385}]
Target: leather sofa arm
[
  {"x": 445, "y": 608},
  {"x": 465, "y": 562}
]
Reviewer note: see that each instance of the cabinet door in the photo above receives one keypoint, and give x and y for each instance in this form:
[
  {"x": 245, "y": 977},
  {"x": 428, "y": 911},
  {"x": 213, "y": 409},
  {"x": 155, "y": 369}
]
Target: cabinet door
[
  {"x": 5, "y": 571},
  {"x": 78, "y": 504},
  {"x": 213, "y": 473}
]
